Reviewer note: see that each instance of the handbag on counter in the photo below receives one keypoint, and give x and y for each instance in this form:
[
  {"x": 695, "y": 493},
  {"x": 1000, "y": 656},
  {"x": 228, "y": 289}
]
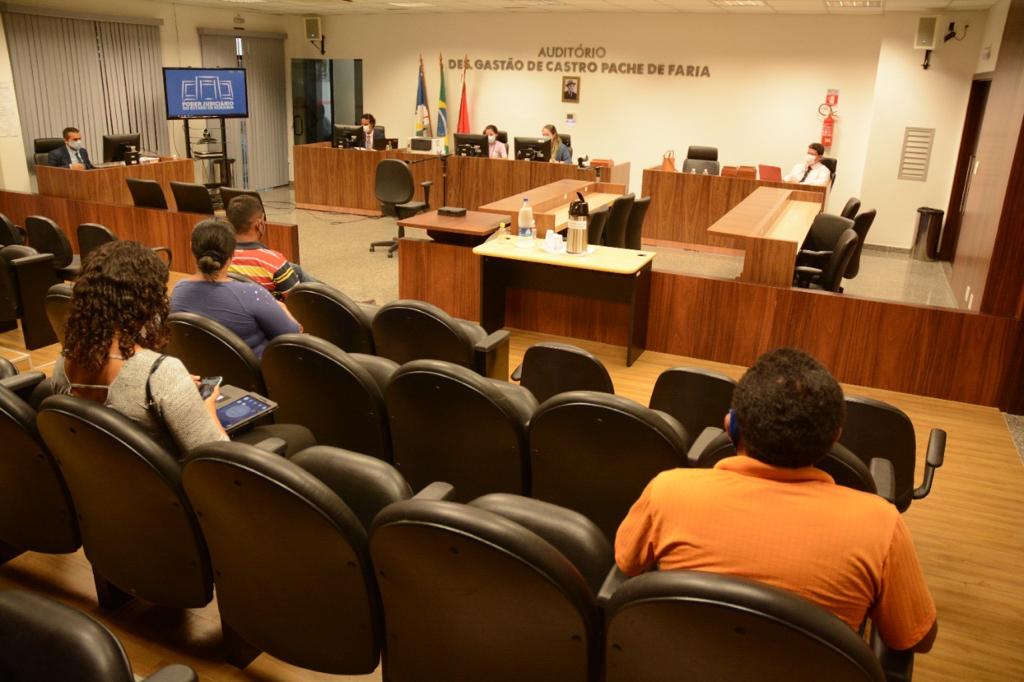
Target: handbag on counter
[{"x": 668, "y": 161}]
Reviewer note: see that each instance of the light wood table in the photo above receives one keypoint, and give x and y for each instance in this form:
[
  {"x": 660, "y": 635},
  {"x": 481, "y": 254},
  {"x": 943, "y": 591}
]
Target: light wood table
[
  {"x": 107, "y": 185},
  {"x": 468, "y": 230},
  {"x": 769, "y": 225},
  {"x": 605, "y": 273},
  {"x": 550, "y": 202}
]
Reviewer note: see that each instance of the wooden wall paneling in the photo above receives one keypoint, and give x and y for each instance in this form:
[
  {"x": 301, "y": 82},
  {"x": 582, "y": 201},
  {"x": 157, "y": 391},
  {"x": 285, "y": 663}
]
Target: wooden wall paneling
[
  {"x": 567, "y": 315},
  {"x": 107, "y": 185},
  {"x": 1004, "y": 285},
  {"x": 427, "y": 167},
  {"x": 457, "y": 292}
]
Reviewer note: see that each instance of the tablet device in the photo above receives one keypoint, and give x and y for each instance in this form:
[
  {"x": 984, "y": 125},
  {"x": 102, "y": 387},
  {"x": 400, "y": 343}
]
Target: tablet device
[{"x": 235, "y": 413}]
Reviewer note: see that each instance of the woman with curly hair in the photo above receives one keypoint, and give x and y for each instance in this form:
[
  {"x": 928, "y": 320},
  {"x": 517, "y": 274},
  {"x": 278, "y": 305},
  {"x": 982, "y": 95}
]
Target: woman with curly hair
[{"x": 114, "y": 333}]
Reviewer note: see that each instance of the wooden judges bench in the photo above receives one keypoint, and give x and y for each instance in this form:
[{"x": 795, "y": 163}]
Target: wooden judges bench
[
  {"x": 330, "y": 179},
  {"x": 107, "y": 184},
  {"x": 152, "y": 227}
]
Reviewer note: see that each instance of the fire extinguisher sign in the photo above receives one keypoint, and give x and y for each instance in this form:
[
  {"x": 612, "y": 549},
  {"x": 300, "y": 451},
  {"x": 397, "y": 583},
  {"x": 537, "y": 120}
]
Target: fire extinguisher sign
[{"x": 832, "y": 98}]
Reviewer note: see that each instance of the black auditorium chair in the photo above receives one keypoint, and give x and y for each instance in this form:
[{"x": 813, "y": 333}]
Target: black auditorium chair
[
  {"x": 877, "y": 429},
  {"x": 93, "y": 235},
  {"x": 826, "y": 269},
  {"x": 850, "y": 209},
  {"x": 192, "y": 197},
  {"x": 697, "y": 398},
  {"x": 138, "y": 528},
  {"x": 229, "y": 193},
  {"x": 502, "y": 589},
  {"x": 42, "y": 639},
  {"x": 31, "y": 386},
  {"x": 10, "y": 233},
  {"x": 618, "y": 217},
  {"x": 46, "y": 236},
  {"x": 861, "y": 224},
  {"x": 550, "y": 368},
  {"x": 7, "y": 369},
  {"x": 830, "y": 163},
  {"x": 36, "y": 512},
  {"x": 208, "y": 348},
  {"x": 394, "y": 187},
  {"x": 338, "y": 396},
  {"x": 325, "y": 312},
  {"x": 701, "y": 160},
  {"x": 595, "y": 453},
  {"x": 405, "y": 330},
  {"x": 58, "y": 308},
  {"x": 288, "y": 544},
  {"x": 844, "y": 466},
  {"x": 671, "y": 625},
  {"x": 42, "y": 146},
  {"x": 596, "y": 222},
  {"x": 25, "y": 277},
  {"x": 450, "y": 424},
  {"x": 146, "y": 193},
  {"x": 635, "y": 225}
]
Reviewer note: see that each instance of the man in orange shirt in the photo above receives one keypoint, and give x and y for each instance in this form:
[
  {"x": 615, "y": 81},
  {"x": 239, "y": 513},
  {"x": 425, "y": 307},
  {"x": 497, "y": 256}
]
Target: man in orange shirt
[{"x": 769, "y": 515}]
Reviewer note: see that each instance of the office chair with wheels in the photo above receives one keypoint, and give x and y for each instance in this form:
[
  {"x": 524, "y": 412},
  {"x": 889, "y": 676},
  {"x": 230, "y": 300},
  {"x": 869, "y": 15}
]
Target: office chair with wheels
[
  {"x": 338, "y": 396},
  {"x": 595, "y": 453},
  {"x": 58, "y": 308},
  {"x": 635, "y": 225},
  {"x": 450, "y": 424},
  {"x": 146, "y": 193},
  {"x": 45, "y": 236},
  {"x": 861, "y": 225},
  {"x": 596, "y": 222},
  {"x": 551, "y": 368},
  {"x": 618, "y": 217},
  {"x": 704, "y": 626},
  {"x": 229, "y": 193},
  {"x": 828, "y": 275},
  {"x": 43, "y": 639},
  {"x": 697, "y": 398},
  {"x": 500, "y": 589},
  {"x": 851, "y": 208},
  {"x": 25, "y": 277},
  {"x": 42, "y": 146},
  {"x": 11, "y": 234},
  {"x": 820, "y": 243},
  {"x": 208, "y": 348},
  {"x": 701, "y": 159},
  {"x": 395, "y": 188},
  {"x": 830, "y": 163},
  {"x": 94, "y": 235},
  {"x": 326, "y": 312},
  {"x": 191, "y": 197},
  {"x": 138, "y": 529}
]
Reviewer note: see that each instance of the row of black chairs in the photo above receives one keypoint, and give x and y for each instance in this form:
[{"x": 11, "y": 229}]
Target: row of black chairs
[
  {"x": 621, "y": 224},
  {"x": 189, "y": 197},
  {"x": 832, "y": 250},
  {"x": 328, "y": 561}
]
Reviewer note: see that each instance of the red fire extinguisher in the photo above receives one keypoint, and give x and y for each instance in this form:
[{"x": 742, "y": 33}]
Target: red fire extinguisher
[
  {"x": 828, "y": 110},
  {"x": 828, "y": 127}
]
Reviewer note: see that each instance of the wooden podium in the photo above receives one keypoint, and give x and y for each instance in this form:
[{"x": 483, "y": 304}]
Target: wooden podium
[{"x": 107, "y": 185}]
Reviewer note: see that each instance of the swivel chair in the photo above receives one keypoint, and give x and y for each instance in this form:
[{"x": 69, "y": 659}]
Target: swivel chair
[
  {"x": 395, "y": 188},
  {"x": 700, "y": 160},
  {"x": 147, "y": 193},
  {"x": 42, "y": 146},
  {"x": 635, "y": 225},
  {"x": 828, "y": 275},
  {"x": 618, "y": 217},
  {"x": 861, "y": 224},
  {"x": 850, "y": 208},
  {"x": 229, "y": 193},
  {"x": 191, "y": 197},
  {"x": 596, "y": 222}
]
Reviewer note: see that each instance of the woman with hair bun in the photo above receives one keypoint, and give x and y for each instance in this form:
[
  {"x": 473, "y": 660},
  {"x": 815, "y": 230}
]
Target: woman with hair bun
[{"x": 245, "y": 308}]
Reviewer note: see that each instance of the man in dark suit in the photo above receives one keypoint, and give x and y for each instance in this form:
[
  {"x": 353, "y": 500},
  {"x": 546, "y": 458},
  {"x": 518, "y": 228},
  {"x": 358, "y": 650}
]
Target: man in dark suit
[
  {"x": 371, "y": 137},
  {"x": 72, "y": 154}
]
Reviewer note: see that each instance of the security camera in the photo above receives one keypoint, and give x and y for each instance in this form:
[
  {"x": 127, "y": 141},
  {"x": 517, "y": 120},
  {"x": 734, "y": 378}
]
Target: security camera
[{"x": 951, "y": 33}]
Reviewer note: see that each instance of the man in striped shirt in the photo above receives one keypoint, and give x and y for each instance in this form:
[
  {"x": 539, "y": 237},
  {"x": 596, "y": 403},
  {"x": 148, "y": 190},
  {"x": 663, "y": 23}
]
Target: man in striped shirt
[{"x": 264, "y": 266}]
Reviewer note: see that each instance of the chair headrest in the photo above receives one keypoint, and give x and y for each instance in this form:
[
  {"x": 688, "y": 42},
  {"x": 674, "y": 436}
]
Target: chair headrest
[{"x": 702, "y": 153}]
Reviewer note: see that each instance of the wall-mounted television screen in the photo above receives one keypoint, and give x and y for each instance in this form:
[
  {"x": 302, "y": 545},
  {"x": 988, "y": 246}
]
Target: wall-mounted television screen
[{"x": 205, "y": 93}]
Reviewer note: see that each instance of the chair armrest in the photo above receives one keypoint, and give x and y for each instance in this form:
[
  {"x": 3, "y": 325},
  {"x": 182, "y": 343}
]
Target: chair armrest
[
  {"x": 709, "y": 434},
  {"x": 277, "y": 446},
  {"x": 426, "y": 192},
  {"x": 23, "y": 234},
  {"x": 932, "y": 461},
  {"x": 897, "y": 665},
  {"x": 884, "y": 476},
  {"x": 612, "y": 583},
  {"x": 23, "y": 384},
  {"x": 517, "y": 373},
  {"x": 804, "y": 275},
  {"x": 35, "y": 277},
  {"x": 173, "y": 673},
  {"x": 166, "y": 250},
  {"x": 438, "y": 490},
  {"x": 491, "y": 355}
]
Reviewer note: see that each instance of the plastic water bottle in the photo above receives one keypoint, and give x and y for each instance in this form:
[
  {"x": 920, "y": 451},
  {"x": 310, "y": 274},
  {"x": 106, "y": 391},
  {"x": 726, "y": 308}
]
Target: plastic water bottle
[
  {"x": 526, "y": 225},
  {"x": 705, "y": 171}
]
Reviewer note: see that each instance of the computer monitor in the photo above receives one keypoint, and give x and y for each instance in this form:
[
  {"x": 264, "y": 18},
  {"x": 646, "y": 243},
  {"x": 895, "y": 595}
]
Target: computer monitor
[
  {"x": 346, "y": 136},
  {"x": 533, "y": 148},
  {"x": 114, "y": 146},
  {"x": 467, "y": 144}
]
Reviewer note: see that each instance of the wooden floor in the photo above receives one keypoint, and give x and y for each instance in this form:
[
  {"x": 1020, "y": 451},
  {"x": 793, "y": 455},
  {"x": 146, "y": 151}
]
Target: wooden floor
[{"x": 969, "y": 534}]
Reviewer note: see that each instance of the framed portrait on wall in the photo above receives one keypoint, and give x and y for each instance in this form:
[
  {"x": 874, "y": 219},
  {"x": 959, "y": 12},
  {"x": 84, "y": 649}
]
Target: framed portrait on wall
[{"x": 570, "y": 88}]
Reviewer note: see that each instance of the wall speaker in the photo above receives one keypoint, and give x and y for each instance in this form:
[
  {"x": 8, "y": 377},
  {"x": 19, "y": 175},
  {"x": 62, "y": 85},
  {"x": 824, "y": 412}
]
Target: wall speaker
[
  {"x": 314, "y": 30},
  {"x": 927, "y": 33}
]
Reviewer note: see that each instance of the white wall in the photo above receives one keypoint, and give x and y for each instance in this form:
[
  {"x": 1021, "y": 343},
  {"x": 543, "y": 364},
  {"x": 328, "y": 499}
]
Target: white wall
[
  {"x": 906, "y": 95},
  {"x": 13, "y": 171},
  {"x": 992, "y": 36}
]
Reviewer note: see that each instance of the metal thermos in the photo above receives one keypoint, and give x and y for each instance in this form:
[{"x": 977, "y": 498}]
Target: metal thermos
[{"x": 576, "y": 237}]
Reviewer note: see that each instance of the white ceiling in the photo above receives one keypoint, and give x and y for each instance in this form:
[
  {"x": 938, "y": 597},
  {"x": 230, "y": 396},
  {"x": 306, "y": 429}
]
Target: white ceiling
[{"x": 324, "y": 7}]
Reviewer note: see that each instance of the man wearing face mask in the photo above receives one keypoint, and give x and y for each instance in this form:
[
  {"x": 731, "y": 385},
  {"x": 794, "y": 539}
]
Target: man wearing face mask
[
  {"x": 264, "y": 266},
  {"x": 72, "y": 154},
  {"x": 372, "y": 136},
  {"x": 495, "y": 148},
  {"x": 810, "y": 171}
]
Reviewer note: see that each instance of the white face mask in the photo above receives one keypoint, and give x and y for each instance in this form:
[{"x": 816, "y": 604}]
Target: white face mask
[
  {"x": 492, "y": 138},
  {"x": 367, "y": 128},
  {"x": 547, "y": 136},
  {"x": 76, "y": 144},
  {"x": 810, "y": 159}
]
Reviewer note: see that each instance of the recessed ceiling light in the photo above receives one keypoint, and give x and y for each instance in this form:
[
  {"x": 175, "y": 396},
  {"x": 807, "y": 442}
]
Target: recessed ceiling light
[
  {"x": 739, "y": 3},
  {"x": 853, "y": 3}
]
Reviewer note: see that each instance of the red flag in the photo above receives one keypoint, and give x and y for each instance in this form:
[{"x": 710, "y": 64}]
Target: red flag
[{"x": 463, "y": 125}]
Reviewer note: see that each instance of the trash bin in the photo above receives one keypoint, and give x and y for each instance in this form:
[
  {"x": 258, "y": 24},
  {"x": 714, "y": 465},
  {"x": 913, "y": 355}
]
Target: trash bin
[{"x": 926, "y": 239}]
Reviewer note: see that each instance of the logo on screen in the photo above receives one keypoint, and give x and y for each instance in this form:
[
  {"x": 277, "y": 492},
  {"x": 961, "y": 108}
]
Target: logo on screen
[{"x": 207, "y": 93}]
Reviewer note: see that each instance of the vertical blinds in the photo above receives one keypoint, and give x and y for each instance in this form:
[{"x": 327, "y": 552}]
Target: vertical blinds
[{"x": 100, "y": 77}]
